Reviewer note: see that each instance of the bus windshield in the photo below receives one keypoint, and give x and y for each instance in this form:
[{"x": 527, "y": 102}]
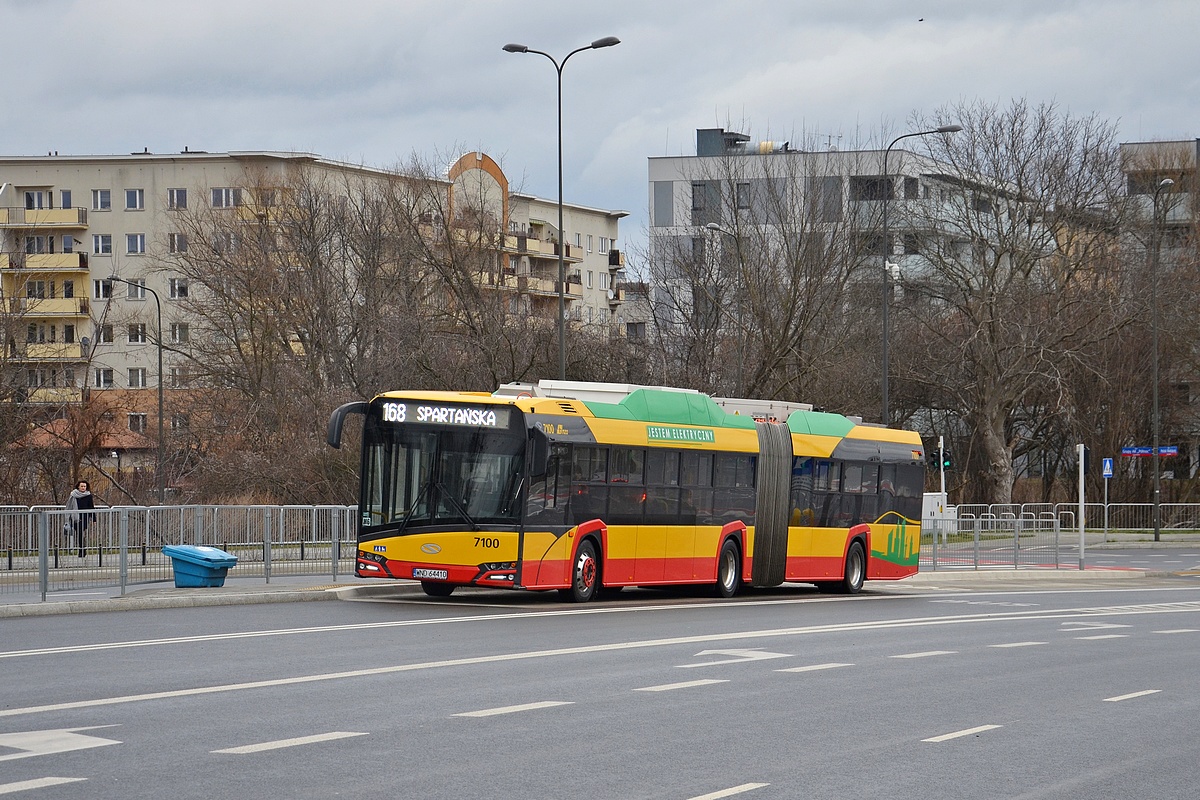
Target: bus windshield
[{"x": 419, "y": 476}]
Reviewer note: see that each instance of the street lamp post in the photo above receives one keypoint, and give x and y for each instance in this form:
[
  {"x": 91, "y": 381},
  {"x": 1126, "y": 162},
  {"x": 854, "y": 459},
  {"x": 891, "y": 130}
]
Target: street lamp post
[
  {"x": 887, "y": 274},
  {"x": 607, "y": 41},
  {"x": 1155, "y": 424},
  {"x": 158, "y": 471}
]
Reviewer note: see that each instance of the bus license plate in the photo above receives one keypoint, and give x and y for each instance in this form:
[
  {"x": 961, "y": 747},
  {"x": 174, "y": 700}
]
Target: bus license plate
[{"x": 434, "y": 574}]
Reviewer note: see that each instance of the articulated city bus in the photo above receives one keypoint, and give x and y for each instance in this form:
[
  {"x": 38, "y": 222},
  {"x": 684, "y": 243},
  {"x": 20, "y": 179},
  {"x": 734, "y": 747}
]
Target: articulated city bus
[{"x": 586, "y": 488}]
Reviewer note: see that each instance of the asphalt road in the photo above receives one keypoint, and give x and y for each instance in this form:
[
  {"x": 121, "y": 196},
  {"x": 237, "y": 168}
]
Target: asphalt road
[{"x": 902, "y": 692}]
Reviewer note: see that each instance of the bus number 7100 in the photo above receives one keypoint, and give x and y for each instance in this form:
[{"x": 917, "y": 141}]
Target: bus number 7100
[{"x": 483, "y": 541}]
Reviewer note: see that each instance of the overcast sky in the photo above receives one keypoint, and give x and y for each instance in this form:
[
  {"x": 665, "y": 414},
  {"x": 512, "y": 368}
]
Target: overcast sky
[{"x": 375, "y": 81}]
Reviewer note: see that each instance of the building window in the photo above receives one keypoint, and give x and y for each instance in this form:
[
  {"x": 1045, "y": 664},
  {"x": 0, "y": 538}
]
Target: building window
[
  {"x": 104, "y": 379},
  {"x": 137, "y": 423},
  {"x": 35, "y": 290},
  {"x": 176, "y": 198},
  {"x": 177, "y": 288},
  {"x": 137, "y": 377},
  {"x": 69, "y": 289},
  {"x": 137, "y": 333},
  {"x": 101, "y": 200},
  {"x": 137, "y": 288},
  {"x": 589, "y": 279},
  {"x": 589, "y": 247},
  {"x": 135, "y": 199},
  {"x": 68, "y": 244},
  {"x": 65, "y": 198},
  {"x": 226, "y": 198},
  {"x": 102, "y": 289},
  {"x": 102, "y": 244},
  {"x": 35, "y": 245},
  {"x": 742, "y": 196},
  {"x": 35, "y": 200},
  {"x": 104, "y": 334},
  {"x": 177, "y": 242},
  {"x": 69, "y": 333},
  {"x": 178, "y": 377},
  {"x": 135, "y": 244},
  {"x": 179, "y": 332}
]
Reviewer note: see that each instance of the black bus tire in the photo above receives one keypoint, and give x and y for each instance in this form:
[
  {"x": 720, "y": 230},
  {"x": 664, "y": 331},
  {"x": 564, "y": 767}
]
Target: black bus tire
[
  {"x": 585, "y": 574},
  {"x": 729, "y": 570}
]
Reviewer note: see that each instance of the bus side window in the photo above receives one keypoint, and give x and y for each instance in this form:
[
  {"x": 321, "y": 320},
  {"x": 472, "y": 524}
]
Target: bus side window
[
  {"x": 801, "y": 492},
  {"x": 589, "y": 494},
  {"x": 546, "y": 501}
]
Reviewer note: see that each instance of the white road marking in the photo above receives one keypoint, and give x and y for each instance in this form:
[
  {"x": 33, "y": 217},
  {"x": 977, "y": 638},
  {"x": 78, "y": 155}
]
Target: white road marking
[
  {"x": 733, "y": 636},
  {"x": 1017, "y": 644},
  {"x": 1090, "y": 626},
  {"x": 926, "y": 654},
  {"x": 282, "y": 743},
  {"x": 814, "y": 667},
  {"x": 37, "y": 783},
  {"x": 1119, "y": 698},
  {"x": 739, "y": 657},
  {"x": 730, "y": 792},
  {"x": 1102, "y": 636},
  {"x": 1180, "y": 630},
  {"x": 945, "y": 737},
  {"x": 666, "y": 687},
  {"x": 491, "y": 712},
  {"x": 44, "y": 743},
  {"x": 854, "y": 626}
]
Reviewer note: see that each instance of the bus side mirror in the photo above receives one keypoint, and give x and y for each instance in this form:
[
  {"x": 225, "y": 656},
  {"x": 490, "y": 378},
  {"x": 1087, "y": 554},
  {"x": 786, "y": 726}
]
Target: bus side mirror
[
  {"x": 539, "y": 453},
  {"x": 333, "y": 431}
]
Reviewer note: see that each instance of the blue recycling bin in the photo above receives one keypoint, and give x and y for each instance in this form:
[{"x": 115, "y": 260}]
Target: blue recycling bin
[{"x": 198, "y": 565}]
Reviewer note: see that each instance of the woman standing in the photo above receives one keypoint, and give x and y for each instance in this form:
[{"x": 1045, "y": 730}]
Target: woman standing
[{"x": 81, "y": 502}]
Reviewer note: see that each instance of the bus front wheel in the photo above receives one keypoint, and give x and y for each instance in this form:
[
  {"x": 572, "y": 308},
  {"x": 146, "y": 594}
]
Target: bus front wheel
[
  {"x": 585, "y": 575},
  {"x": 729, "y": 570}
]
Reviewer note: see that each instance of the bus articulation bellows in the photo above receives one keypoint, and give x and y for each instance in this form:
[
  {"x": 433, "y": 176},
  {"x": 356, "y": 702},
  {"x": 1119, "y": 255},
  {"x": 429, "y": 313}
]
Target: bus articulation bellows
[{"x": 583, "y": 487}]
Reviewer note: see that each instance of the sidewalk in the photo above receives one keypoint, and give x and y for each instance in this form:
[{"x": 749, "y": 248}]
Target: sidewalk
[{"x": 301, "y": 588}]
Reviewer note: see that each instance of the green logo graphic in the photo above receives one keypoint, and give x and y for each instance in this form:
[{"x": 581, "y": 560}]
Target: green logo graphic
[{"x": 903, "y": 543}]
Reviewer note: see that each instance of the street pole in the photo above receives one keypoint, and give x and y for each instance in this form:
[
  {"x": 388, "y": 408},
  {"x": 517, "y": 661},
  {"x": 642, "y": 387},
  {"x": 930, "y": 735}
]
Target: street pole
[
  {"x": 1156, "y": 234},
  {"x": 887, "y": 274},
  {"x": 607, "y": 41},
  {"x": 160, "y": 474}
]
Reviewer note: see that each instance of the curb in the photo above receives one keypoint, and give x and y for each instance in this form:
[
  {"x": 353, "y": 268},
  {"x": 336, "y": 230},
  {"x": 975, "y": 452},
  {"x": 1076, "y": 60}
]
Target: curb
[{"x": 201, "y": 598}]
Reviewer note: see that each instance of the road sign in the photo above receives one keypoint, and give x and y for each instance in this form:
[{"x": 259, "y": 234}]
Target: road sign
[
  {"x": 1147, "y": 452},
  {"x": 1107, "y": 467}
]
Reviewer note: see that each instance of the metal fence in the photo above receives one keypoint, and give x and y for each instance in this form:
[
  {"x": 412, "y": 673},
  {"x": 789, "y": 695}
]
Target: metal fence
[
  {"x": 1046, "y": 536},
  {"x": 47, "y": 549}
]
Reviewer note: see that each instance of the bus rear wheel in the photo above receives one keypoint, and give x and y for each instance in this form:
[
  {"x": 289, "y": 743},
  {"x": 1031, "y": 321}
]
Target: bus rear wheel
[
  {"x": 729, "y": 570},
  {"x": 585, "y": 575},
  {"x": 437, "y": 589},
  {"x": 854, "y": 575}
]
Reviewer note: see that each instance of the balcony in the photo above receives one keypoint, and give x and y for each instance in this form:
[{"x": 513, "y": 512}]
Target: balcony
[
  {"x": 53, "y": 351},
  {"x": 53, "y": 306},
  {"x": 54, "y": 394},
  {"x": 45, "y": 262},
  {"x": 616, "y": 296},
  {"x": 616, "y": 259},
  {"x": 43, "y": 218}
]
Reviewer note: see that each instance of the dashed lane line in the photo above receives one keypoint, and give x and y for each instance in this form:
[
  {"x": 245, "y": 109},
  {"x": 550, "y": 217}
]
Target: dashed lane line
[
  {"x": 1131, "y": 695},
  {"x": 36, "y": 783},
  {"x": 945, "y": 737},
  {"x": 814, "y": 667},
  {"x": 492, "y": 712},
  {"x": 294, "y": 742},
  {"x": 926, "y": 654},
  {"x": 667, "y": 687},
  {"x": 731, "y": 791}
]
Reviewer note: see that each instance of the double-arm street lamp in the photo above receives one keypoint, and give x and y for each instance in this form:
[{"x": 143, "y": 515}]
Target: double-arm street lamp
[
  {"x": 1157, "y": 224},
  {"x": 887, "y": 273},
  {"x": 159, "y": 472},
  {"x": 607, "y": 41}
]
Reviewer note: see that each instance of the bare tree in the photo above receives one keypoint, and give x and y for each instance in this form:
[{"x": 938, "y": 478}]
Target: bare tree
[{"x": 1022, "y": 275}]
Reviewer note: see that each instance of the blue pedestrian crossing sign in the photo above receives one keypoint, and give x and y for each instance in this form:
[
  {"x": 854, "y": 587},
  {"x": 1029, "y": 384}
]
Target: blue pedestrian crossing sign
[{"x": 1107, "y": 466}]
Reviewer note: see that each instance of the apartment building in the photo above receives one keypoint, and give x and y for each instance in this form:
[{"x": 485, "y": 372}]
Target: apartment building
[{"x": 70, "y": 224}]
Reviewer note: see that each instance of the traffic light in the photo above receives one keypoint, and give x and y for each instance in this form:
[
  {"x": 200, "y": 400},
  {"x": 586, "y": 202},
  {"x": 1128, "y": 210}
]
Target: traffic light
[
  {"x": 946, "y": 462},
  {"x": 939, "y": 460}
]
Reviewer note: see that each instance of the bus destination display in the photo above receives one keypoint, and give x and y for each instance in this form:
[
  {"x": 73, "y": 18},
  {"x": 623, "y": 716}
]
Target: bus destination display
[{"x": 462, "y": 416}]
